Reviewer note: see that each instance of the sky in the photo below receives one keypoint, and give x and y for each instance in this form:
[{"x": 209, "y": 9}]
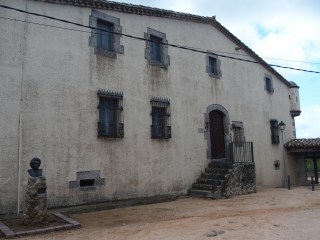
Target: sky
[{"x": 275, "y": 29}]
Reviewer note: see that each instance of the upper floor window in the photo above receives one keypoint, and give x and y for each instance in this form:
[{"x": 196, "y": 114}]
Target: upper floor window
[
  {"x": 156, "y": 51},
  {"x": 160, "y": 113},
  {"x": 274, "y": 126},
  {"x": 105, "y": 37},
  {"x": 110, "y": 114},
  {"x": 213, "y": 65},
  {"x": 268, "y": 84}
]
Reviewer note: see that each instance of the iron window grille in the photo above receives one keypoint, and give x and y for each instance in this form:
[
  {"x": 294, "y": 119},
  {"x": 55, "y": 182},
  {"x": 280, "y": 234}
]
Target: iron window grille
[
  {"x": 161, "y": 118},
  {"x": 274, "y": 131},
  {"x": 110, "y": 114}
]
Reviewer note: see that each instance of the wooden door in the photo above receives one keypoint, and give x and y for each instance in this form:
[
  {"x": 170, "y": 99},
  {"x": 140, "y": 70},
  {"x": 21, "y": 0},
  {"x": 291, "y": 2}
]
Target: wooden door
[{"x": 217, "y": 134}]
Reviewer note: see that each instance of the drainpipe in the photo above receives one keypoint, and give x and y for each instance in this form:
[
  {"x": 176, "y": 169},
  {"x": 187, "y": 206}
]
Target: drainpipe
[{"x": 19, "y": 161}]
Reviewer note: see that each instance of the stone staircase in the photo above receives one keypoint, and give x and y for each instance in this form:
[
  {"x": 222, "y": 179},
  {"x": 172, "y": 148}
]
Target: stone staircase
[{"x": 212, "y": 181}]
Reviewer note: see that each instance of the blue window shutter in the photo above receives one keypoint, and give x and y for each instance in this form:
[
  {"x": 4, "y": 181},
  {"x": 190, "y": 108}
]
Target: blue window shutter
[
  {"x": 213, "y": 65},
  {"x": 156, "y": 48},
  {"x": 104, "y": 37}
]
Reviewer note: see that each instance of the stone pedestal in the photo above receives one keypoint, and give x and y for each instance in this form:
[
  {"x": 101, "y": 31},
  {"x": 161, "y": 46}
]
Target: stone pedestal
[{"x": 35, "y": 204}]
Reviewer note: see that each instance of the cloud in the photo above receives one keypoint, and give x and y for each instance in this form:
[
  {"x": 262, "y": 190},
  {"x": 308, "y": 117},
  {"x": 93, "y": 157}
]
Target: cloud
[{"x": 307, "y": 124}]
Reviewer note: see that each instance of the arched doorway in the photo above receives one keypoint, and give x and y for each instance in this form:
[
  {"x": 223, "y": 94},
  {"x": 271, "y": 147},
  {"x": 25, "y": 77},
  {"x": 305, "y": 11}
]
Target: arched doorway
[
  {"x": 217, "y": 124},
  {"x": 217, "y": 134}
]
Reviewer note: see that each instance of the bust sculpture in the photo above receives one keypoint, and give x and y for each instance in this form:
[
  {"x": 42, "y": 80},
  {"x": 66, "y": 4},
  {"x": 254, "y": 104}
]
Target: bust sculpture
[
  {"x": 35, "y": 171},
  {"x": 35, "y": 201}
]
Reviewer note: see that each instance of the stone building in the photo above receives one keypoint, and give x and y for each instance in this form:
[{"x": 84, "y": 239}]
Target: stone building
[{"x": 117, "y": 110}]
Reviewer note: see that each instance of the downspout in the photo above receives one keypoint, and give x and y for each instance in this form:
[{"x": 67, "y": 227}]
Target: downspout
[
  {"x": 23, "y": 57},
  {"x": 19, "y": 161}
]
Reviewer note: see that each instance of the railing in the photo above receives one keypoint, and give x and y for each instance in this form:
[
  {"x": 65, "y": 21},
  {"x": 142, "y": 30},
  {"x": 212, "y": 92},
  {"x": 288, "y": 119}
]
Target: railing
[
  {"x": 158, "y": 131},
  {"x": 241, "y": 152},
  {"x": 113, "y": 130}
]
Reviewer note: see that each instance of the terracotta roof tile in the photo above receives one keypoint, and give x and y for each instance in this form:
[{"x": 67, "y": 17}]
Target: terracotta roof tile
[{"x": 303, "y": 143}]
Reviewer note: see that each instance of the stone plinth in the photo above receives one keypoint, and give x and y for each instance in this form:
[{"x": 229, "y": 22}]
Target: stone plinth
[{"x": 35, "y": 204}]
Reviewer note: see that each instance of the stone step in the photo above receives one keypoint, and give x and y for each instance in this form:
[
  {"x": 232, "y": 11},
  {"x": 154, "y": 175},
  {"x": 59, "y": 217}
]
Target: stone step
[
  {"x": 215, "y": 176},
  {"x": 207, "y": 187},
  {"x": 209, "y": 181},
  {"x": 216, "y": 170},
  {"x": 220, "y": 164},
  {"x": 200, "y": 193}
]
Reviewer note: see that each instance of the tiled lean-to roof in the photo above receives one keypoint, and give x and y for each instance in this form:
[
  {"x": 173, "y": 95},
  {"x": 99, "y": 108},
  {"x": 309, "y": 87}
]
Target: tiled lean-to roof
[
  {"x": 156, "y": 12},
  {"x": 303, "y": 144}
]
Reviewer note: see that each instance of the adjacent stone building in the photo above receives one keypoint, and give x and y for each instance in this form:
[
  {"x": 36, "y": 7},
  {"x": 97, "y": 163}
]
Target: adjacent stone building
[{"x": 118, "y": 110}]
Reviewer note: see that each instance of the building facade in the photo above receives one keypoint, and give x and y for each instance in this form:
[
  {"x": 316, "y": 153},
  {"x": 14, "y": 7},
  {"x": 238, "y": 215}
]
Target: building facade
[{"x": 117, "y": 110}]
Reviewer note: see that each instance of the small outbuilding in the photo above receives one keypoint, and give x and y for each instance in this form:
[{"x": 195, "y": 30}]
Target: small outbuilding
[{"x": 303, "y": 150}]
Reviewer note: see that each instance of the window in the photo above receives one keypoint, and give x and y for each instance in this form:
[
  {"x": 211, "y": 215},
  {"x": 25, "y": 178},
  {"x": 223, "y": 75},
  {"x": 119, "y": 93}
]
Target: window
[
  {"x": 160, "y": 113},
  {"x": 156, "y": 51},
  {"x": 268, "y": 84},
  {"x": 110, "y": 114},
  {"x": 86, "y": 182},
  {"x": 213, "y": 65},
  {"x": 238, "y": 132},
  {"x": 274, "y": 131},
  {"x": 105, "y": 37}
]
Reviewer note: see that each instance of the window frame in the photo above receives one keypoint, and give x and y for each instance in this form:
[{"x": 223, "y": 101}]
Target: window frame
[
  {"x": 164, "y": 60},
  {"x": 156, "y": 49},
  {"x": 100, "y": 24},
  {"x": 160, "y": 105},
  {"x": 274, "y": 127},
  {"x": 268, "y": 84},
  {"x": 115, "y": 48},
  {"x": 105, "y": 95},
  {"x": 213, "y": 71},
  {"x": 238, "y": 132}
]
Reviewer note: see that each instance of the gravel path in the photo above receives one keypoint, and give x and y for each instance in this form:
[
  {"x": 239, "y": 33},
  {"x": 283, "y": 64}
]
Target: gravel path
[{"x": 271, "y": 213}]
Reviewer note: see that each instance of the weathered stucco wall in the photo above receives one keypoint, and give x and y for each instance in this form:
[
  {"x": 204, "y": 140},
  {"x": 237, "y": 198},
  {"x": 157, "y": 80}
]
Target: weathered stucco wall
[{"x": 50, "y": 77}]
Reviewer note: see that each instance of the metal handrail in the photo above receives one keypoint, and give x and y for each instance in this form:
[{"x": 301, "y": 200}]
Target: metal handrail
[{"x": 241, "y": 152}]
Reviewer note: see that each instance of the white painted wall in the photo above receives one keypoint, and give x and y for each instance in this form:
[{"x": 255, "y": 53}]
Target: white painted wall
[{"x": 52, "y": 75}]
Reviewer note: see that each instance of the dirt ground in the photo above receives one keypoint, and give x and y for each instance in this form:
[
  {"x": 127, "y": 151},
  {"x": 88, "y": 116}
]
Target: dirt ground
[{"x": 271, "y": 213}]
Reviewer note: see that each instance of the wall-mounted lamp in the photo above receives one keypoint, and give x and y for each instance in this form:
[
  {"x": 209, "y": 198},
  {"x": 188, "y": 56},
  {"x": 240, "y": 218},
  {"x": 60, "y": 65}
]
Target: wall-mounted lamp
[{"x": 282, "y": 126}]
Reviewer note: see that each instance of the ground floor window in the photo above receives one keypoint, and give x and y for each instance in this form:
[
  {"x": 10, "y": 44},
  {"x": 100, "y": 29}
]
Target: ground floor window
[
  {"x": 110, "y": 114},
  {"x": 274, "y": 126},
  {"x": 160, "y": 114}
]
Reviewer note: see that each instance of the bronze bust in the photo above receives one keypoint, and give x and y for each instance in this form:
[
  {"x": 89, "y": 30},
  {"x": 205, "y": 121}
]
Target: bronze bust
[{"x": 35, "y": 171}]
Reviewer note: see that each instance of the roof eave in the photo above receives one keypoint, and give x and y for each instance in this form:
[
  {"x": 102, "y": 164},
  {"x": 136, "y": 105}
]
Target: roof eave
[{"x": 149, "y": 11}]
